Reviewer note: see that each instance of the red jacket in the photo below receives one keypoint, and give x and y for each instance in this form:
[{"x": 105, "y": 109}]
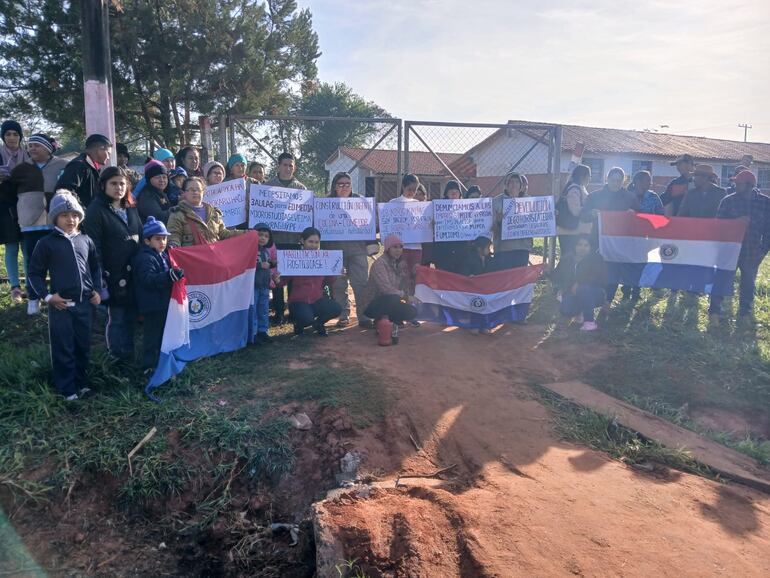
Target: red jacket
[{"x": 307, "y": 289}]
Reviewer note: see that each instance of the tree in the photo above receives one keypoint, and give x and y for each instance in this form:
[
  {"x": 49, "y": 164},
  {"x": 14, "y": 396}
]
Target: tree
[{"x": 171, "y": 59}]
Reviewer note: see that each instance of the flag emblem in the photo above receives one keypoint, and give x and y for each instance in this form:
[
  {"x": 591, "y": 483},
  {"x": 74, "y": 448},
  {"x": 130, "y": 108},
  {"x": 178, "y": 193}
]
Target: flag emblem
[
  {"x": 200, "y": 305},
  {"x": 669, "y": 252}
]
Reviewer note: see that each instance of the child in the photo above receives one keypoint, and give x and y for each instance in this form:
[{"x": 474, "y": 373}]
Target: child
[
  {"x": 581, "y": 278},
  {"x": 177, "y": 177},
  {"x": 266, "y": 264},
  {"x": 308, "y": 303},
  {"x": 69, "y": 257},
  {"x": 477, "y": 258},
  {"x": 153, "y": 278}
]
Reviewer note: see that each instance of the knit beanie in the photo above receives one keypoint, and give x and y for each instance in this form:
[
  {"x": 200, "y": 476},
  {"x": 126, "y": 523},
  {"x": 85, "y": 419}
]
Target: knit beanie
[
  {"x": 153, "y": 169},
  {"x": 10, "y": 125},
  {"x": 154, "y": 227},
  {"x": 262, "y": 227},
  {"x": 236, "y": 158},
  {"x": 392, "y": 240},
  {"x": 210, "y": 165},
  {"x": 97, "y": 139},
  {"x": 178, "y": 171},
  {"x": 45, "y": 141},
  {"x": 162, "y": 154},
  {"x": 62, "y": 202}
]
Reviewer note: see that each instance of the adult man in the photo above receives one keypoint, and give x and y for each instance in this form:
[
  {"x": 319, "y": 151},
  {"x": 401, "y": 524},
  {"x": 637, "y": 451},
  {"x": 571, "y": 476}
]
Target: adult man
[
  {"x": 702, "y": 200},
  {"x": 123, "y": 158},
  {"x": 749, "y": 204},
  {"x": 282, "y": 239},
  {"x": 676, "y": 189},
  {"x": 81, "y": 175}
]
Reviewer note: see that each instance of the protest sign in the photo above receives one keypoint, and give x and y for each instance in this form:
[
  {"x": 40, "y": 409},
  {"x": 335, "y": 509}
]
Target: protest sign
[
  {"x": 230, "y": 198},
  {"x": 462, "y": 219},
  {"x": 527, "y": 217},
  {"x": 289, "y": 210},
  {"x": 412, "y": 222},
  {"x": 302, "y": 263},
  {"x": 345, "y": 219}
]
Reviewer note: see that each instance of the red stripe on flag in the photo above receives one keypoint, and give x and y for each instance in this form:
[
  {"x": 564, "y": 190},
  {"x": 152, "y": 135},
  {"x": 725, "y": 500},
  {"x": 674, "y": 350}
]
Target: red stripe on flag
[
  {"x": 217, "y": 262},
  {"x": 625, "y": 224},
  {"x": 485, "y": 284}
]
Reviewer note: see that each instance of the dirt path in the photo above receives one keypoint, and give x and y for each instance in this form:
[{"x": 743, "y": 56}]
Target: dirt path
[{"x": 520, "y": 502}]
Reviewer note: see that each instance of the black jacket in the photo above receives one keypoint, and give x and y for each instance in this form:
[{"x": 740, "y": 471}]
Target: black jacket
[
  {"x": 80, "y": 177},
  {"x": 471, "y": 262},
  {"x": 592, "y": 270},
  {"x": 116, "y": 244},
  {"x": 71, "y": 263},
  {"x": 152, "y": 283},
  {"x": 153, "y": 202}
]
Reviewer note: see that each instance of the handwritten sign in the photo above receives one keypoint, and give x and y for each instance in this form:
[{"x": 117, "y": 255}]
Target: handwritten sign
[
  {"x": 462, "y": 219},
  {"x": 412, "y": 222},
  {"x": 281, "y": 209},
  {"x": 349, "y": 219},
  {"x": 528, "y": 217},
  {"x": 302, "y": 263},
  {"x": 230, "y": 198}
]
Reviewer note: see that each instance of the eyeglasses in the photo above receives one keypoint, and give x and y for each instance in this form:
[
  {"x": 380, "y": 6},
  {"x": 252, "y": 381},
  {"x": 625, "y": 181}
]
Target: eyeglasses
[{"x": 343, "y": 185}]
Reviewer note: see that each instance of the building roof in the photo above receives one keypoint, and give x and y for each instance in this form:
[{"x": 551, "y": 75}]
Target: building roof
[{"x": 385, "y": 162}]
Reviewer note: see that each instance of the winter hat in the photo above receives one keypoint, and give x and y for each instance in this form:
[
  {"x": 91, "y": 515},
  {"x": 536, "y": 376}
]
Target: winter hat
[
  {"x": 262, "y": 227},
  {"x": 162, "y": 154},
  {"x": 178, "y": 171},
  {"x": 153, "y": 169},
  {"x": 746, "y": 177},
  {"x": 154, "y": 227},
  {"x": 392, "y": 240},
  {"x": 10, "y": 125},
  {"x": 236, "y": 158},
  {"x": 122, "y": 150},
  {"x": 210, "y": 165},
  {"x": 45, "y": 141},
  {"x": 97, "y": 139},
  {"x": 62, "y": 202}
]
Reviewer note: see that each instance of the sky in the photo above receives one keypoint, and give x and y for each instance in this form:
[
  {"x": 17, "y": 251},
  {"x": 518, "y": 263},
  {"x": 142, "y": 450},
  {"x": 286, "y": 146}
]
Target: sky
[{"x": 700, "y": 67}]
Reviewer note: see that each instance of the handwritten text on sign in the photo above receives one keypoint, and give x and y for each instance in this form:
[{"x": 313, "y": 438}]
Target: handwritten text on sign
[
  {"x": 462, "y": 219},
  {"x": 528, "y": 217},
  {"x": 413, "y": 221},
  {"x": 281, "y": 209},
  {"x": 301, "y": 263},
  {"x": 230, "y": 198},
  {"x": 350, "y": 219}
]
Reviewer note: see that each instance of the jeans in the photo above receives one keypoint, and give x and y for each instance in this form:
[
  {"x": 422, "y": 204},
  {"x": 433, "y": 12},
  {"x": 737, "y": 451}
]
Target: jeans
[
  {"x": 262, "y": 305},
  {"x": 305, "y": 314},
  {"x": 585, "y": 299},
  {"x": 69, "y": 333},
  {"x": 154, "y": 324},
  {"x": 120, "y": 332},
  {"x": 29, "y": 241},
  {"x": 357, "y": 275},
  {"x": 12, "y": 263},
  {"x": 392, "y": 307},
  {"x": 746, "y": 289}
]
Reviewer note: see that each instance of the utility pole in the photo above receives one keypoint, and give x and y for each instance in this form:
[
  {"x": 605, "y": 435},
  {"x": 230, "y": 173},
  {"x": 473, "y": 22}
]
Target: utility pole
[
  {"x": 745, "y": 128},
  {"x": 97, "y": 70}
]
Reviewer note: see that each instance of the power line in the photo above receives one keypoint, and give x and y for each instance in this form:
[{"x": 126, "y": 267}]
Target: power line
[{"x": 745, "y": 128}]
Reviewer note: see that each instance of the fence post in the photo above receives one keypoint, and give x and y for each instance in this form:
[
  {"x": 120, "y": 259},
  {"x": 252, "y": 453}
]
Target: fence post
[
  {"x": 407, "y": 128},
  {"x": 399, "y": 167},
  {"x": 556, "y": 186},
  {"x": 222, "y": 156}
]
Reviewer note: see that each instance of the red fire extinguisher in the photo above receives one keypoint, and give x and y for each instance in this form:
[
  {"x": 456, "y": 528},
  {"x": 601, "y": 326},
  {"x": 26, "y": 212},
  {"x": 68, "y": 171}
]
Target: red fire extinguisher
[{"x": 384, "y": 331}]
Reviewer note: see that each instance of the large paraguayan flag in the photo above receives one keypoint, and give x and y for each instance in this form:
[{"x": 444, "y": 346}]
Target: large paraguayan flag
[
  {"x": 212, "y": 309},
  {"x": 478, "y": 302},
  {"x": 698, "y": 255}
]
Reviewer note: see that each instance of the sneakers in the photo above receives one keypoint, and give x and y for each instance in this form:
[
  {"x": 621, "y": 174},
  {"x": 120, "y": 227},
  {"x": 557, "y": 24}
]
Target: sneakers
[
  {"x": 33, "y": 307},
  {"x": 589, "y": 326},
  {"x": 343, "y": 323},
  {"x": 320, "y": 329},
  {"x": 263, "y": 337},
  {"x": 84, "y": 391},
  {"x": 16, "y": 295},
  {"x": 414, "y": 323},
  {"x": 73, "y": 397}
]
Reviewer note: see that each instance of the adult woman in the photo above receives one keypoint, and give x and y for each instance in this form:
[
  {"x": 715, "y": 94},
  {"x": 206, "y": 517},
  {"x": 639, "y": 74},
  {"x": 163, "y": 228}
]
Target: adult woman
[
  {"x": 649, "y": 201},
  {"x": 354, "y": 258},
  {"x": 154, "y": 200},
  {"x": 387, "y": 291},
  {"x": 11, "y": 155},
  {"x": 236, "y": 166},
  {"x": 509, "y": 253},
  {"x": 473, "y": 192},
  {"x": 190, "y": 160},
  {"x": 213, "y": 172},
  {"x": 448, "y": 255},
  {"x": 257, "y": 172},
  {"x": 115, "y": 228},
  {"x": 193, "y": 222},
  {"x": 569, "y": 206}
]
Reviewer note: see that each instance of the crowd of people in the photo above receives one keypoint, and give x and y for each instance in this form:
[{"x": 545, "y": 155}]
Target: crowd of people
[{"x": 92, "y": 234}]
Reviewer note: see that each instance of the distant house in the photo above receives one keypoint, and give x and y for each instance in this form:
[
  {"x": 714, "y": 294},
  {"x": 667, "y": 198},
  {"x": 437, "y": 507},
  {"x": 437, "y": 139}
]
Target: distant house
[{"x": 486, "y": 163}]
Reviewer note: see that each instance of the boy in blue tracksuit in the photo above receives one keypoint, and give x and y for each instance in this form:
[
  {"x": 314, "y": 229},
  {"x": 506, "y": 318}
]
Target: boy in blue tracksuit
[
  {"x": 153, "y": 278},
  {"x": 69, "y": 258},
  {"x": 262, "y": 283}
]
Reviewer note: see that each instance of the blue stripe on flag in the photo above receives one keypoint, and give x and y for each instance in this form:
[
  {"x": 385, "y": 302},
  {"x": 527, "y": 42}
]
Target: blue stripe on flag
[
  {"x": 469, "y": 320},
  {"x": 666, "y": 276}
]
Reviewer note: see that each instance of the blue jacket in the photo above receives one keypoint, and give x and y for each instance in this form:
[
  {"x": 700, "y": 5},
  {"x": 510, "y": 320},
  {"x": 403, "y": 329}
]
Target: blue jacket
[
  {"x": 152, "y": 283},
  {"x": 172, "y": 191},
  {"x": 72, "y": 264},
  {"x": 262, "y": 276}
]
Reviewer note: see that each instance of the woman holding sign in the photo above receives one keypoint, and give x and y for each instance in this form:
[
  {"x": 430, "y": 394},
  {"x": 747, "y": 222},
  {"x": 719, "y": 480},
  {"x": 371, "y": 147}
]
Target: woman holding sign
[
  {"x": 509, "y": 253},
  {"x": 193, "y": 222},
  {"x": 355, "y": 261}
]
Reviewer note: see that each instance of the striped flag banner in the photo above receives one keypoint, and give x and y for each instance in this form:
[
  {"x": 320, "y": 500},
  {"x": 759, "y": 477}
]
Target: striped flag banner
[
  {"x": 212, "y": 309},
  {"x": 477, "y": 302},
  {"x": 698, "y": 255}
]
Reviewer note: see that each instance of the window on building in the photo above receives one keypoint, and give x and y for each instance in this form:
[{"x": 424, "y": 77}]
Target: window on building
[
  {"x": 597, "y": 169},
  {"x": 727, "y": 172},
  {"x": 637, "y": 166},
  {"x": 369, "y": 187},
  {"x": 763, "y": 178}
]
